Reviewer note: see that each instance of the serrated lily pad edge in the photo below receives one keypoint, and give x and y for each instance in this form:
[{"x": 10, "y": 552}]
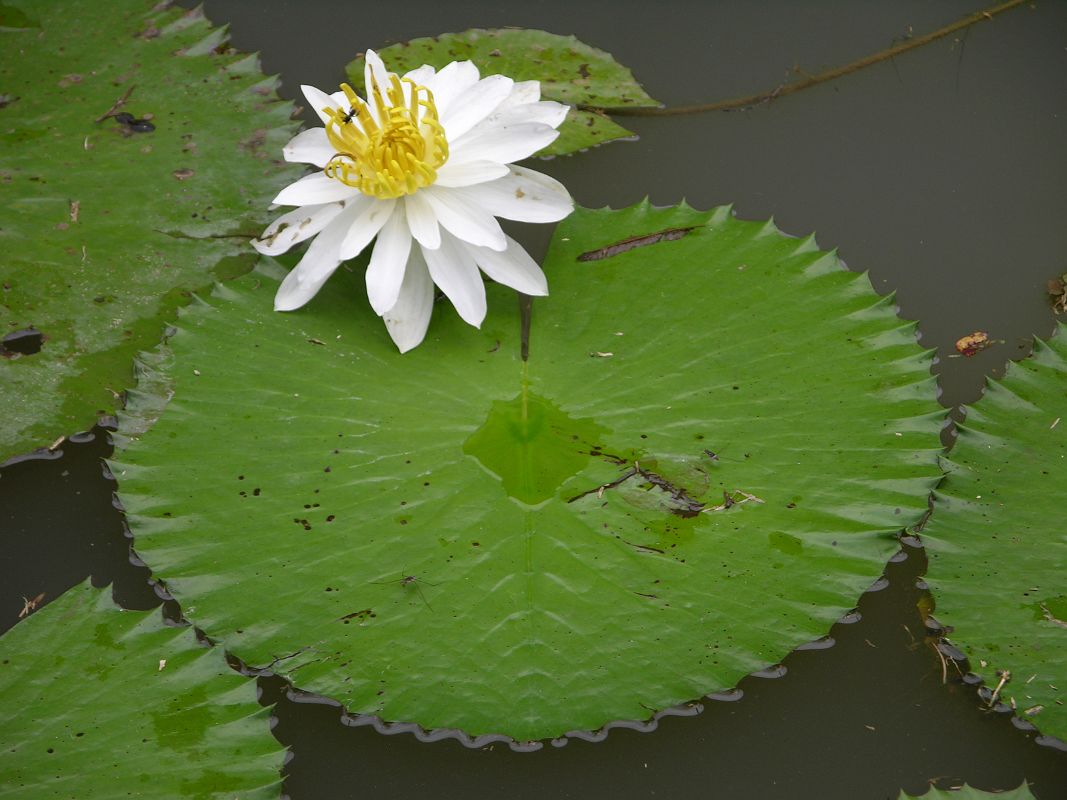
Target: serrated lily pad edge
[{"x": 1020, "y": 792}]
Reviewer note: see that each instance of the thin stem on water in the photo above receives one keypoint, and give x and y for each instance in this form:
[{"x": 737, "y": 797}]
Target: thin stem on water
[
  {"x": 525, "y": 311},
  {"x": 748, "y": 101}
]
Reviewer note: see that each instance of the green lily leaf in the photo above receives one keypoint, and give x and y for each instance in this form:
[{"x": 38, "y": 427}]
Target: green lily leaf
[
  {"x": 111, "y": 221},
  {"x": 570, "y": 72},
  {"x": 104, "y": 703},
  {"x": 966, "y": 792},
  {"x": 996, "y": 539},
  {"x": 704, "y": 462},
  {"x": 15, "y": 19}
]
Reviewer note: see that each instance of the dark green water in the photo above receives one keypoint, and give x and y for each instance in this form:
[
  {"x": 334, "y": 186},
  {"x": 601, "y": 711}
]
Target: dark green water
[{"x": 941, "y": 173}]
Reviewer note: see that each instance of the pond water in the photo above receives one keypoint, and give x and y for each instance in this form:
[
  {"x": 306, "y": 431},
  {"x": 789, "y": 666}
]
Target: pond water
[{"x": 941, "y": 173}]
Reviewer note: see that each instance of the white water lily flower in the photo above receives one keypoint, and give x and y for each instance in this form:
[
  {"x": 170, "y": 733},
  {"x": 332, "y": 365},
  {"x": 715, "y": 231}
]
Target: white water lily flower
[{"x": 426, "y": 157}]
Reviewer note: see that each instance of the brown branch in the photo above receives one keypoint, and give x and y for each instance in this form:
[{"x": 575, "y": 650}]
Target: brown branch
[{"x": 748, "y": 101}]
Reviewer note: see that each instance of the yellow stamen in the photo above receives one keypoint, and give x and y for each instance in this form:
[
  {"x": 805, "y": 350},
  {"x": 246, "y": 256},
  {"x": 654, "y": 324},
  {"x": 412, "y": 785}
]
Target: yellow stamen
[{"x": 386, "y": 146}]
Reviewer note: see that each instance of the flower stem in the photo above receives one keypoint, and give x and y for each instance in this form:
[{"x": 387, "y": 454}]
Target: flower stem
[
  {"x": 748, "y": 101},
  {"x": 525, "y": 310}
]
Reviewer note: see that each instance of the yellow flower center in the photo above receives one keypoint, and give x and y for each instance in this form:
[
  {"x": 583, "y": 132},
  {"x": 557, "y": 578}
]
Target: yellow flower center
[{"x": 392, "y": 149}]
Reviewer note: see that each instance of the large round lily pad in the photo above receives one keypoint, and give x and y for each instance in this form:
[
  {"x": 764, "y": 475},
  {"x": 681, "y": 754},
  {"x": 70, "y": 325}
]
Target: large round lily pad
[
  {"x": 997, "y": 540},
  {"x": 704, "y": 462},
  {"x": 104, "y": 703}
]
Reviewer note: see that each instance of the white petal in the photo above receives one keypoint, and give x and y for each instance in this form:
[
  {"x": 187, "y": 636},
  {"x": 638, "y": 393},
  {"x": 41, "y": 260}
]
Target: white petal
[
  {"x": 318, "y": 100},
  {"x": 366, "y": 226},
  {"x": 449, "y": 82},
  {"x": 512, "y": 267},
  {"x": 524, "y": 195},
  {"x": 406, "y": 89},
  {"x": 547, "y": 112},
  {"x": 317, "y": 265},
  {"x": 453, "y": 269},
  {"x": 422, "y": 222},
  {"x": 296, "y": 226},
  {"x": 375, "y": 73},
  {"x": 373, "y": 65},
  {"x": 313, "y": 189},
  {"x": 309, "y": 147},
  {"x": 522, "y": 92},
  {"x": 421, "y": 74},
  {"x": 408, "y": 319},
  {"x": 474, "y": 104},
  {"x": 504, "y": 143},
  {"x": 463, "y": 218},
  {"x": 385, "y": 273},
  {"x": 470, "y": 172}
]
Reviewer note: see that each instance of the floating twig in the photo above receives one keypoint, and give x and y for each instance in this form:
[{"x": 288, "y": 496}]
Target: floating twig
[{"x": 807, "y": 81}]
